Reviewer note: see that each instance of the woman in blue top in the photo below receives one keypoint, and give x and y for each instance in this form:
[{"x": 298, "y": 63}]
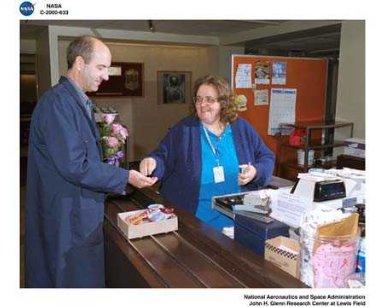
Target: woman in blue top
[{"x": 200, "y": 156}]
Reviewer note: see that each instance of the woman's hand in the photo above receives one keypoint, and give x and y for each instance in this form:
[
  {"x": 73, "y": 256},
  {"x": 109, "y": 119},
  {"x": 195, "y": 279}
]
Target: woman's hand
[
  {"x": 247, "y": 174},
  {"x": 147, "y": 166}
]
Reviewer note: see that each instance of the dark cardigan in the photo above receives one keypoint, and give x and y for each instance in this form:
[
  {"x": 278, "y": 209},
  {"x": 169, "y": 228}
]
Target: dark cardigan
[{"x": 178, "y": 159}]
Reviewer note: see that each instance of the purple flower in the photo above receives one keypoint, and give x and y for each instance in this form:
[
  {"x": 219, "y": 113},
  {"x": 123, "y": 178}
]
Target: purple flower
[
  {"x": 109, "y": 118},
  {"x": 112, "y": 142},
  {"x": 115, "y": 159},
  {"x": 119, "y": 154}
]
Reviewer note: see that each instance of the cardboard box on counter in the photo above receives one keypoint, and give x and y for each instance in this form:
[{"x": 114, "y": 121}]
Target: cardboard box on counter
[
  {"x": 284, "y": 253},
  {"x": 145, "y": 228}
]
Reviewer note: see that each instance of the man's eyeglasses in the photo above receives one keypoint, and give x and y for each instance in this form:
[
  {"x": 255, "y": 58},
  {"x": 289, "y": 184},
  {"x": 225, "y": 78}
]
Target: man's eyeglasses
[{"x": 209, "y": 99}]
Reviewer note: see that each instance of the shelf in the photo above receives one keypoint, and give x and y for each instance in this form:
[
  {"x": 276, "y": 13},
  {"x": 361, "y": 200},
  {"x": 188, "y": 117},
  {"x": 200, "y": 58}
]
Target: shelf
[
  {"x": 295, "y": 166},
  {"x": 313, "y": 134},
  {"x": 317, "y": 125},
  {"x": 319, "y": 146}
]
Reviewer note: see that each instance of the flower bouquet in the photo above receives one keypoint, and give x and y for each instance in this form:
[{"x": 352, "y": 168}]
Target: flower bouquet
[{"x": 113, "y": 135}]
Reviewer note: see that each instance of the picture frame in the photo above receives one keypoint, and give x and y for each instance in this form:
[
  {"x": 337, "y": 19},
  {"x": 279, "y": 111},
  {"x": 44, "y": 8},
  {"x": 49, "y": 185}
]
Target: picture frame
[
  {"x": 125, "y": 79},
  {"x": 174, "y": 87}
]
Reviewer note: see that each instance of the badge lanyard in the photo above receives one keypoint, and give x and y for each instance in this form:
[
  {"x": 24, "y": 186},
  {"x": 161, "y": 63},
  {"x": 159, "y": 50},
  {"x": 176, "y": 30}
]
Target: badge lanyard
[{"x": 218, "y": 171}]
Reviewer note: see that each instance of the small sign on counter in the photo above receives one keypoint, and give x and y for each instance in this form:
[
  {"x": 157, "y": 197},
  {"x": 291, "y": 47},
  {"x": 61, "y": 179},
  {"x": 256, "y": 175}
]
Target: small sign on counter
[{"x": 289, "y": 208}]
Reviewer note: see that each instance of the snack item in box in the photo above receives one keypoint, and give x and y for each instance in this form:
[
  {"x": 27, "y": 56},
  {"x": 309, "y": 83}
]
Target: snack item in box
[
  {"x": 137, "y": 218},
  {"x": 155, "y": 207},
  {"x": 153, "y": 213},
  {"x": 167, "y": 210}
]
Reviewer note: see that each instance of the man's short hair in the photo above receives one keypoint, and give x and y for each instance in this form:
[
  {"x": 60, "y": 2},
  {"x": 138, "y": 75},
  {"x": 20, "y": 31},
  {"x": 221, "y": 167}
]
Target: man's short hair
[{"x": 81, "y": 46}]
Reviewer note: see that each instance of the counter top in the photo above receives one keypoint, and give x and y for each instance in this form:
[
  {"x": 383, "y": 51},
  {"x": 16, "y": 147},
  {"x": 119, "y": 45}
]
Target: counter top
[{"x": 195, "y": 256}]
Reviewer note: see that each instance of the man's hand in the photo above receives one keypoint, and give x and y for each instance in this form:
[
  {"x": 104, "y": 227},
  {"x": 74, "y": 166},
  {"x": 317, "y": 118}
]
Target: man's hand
[
  {"x": 139, "y": 180},
  {"x": 147, "y": 166},
  {"x": 249, "y": 172}
]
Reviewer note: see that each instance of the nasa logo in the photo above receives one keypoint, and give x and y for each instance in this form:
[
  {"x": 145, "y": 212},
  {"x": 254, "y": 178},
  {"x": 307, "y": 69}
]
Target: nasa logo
[{"x": 26, "y": 8}]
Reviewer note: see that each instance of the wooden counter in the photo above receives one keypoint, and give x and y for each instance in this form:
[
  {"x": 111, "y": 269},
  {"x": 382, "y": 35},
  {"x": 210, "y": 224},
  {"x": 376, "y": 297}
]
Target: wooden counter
[{"x": 195, "y": 256}]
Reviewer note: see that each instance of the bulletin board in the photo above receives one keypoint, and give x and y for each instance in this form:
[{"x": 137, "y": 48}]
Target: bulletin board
[{"x": 307, "y": 75}]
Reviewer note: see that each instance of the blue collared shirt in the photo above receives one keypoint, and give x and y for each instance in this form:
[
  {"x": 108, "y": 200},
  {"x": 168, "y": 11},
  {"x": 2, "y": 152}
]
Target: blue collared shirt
[
  {"x": 227, "y": 158},
  {"x": 83, "y": 97}
]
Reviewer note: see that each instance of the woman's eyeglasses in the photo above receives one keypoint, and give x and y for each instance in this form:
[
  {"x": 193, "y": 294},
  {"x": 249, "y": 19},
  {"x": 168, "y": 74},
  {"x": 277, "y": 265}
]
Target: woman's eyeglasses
[{"x": 209, "y": 99}]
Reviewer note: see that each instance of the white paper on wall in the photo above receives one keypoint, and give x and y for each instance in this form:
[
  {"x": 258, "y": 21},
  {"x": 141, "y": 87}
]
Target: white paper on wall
[
  {"x": 279, "y": 73},
  {"x": 260, "y": 97},
  {"x": 243, "y": 78},
  {"x": 262, "y": 72},
  {"x": 282, "y": 108}
]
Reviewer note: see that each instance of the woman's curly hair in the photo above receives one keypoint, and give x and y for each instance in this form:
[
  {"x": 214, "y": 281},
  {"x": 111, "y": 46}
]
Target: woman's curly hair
[{"x": 228, "y": 112}]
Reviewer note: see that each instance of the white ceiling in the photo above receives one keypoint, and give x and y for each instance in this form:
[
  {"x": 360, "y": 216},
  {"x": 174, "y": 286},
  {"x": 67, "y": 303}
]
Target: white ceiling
[
  {"x": 185, "y": 27},
  {"x": 325, "y": 38}
]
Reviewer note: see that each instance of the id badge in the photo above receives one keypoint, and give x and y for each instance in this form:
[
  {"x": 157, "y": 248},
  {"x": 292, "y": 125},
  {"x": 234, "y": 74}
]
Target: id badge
[{"x": 218, "y": 174}]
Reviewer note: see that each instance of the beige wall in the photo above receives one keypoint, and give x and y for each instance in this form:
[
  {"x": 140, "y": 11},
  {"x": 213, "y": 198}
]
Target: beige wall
[
  {"x": 148, "y": 121},
  {"x": 225, "y": 59},
  {"x": 350, "y": 104}
]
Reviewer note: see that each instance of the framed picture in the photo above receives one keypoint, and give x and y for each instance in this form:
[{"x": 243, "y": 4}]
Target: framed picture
[
  {"x": 125, "y": 79},
  {"x": 173, "y": 87}
]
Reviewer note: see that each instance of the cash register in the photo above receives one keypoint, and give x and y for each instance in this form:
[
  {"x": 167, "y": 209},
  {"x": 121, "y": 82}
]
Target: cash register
[
  {"x": 250, "y": 204},
  {"x": 328, "y": 188},
  {"x": 324, "y": 190}
]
